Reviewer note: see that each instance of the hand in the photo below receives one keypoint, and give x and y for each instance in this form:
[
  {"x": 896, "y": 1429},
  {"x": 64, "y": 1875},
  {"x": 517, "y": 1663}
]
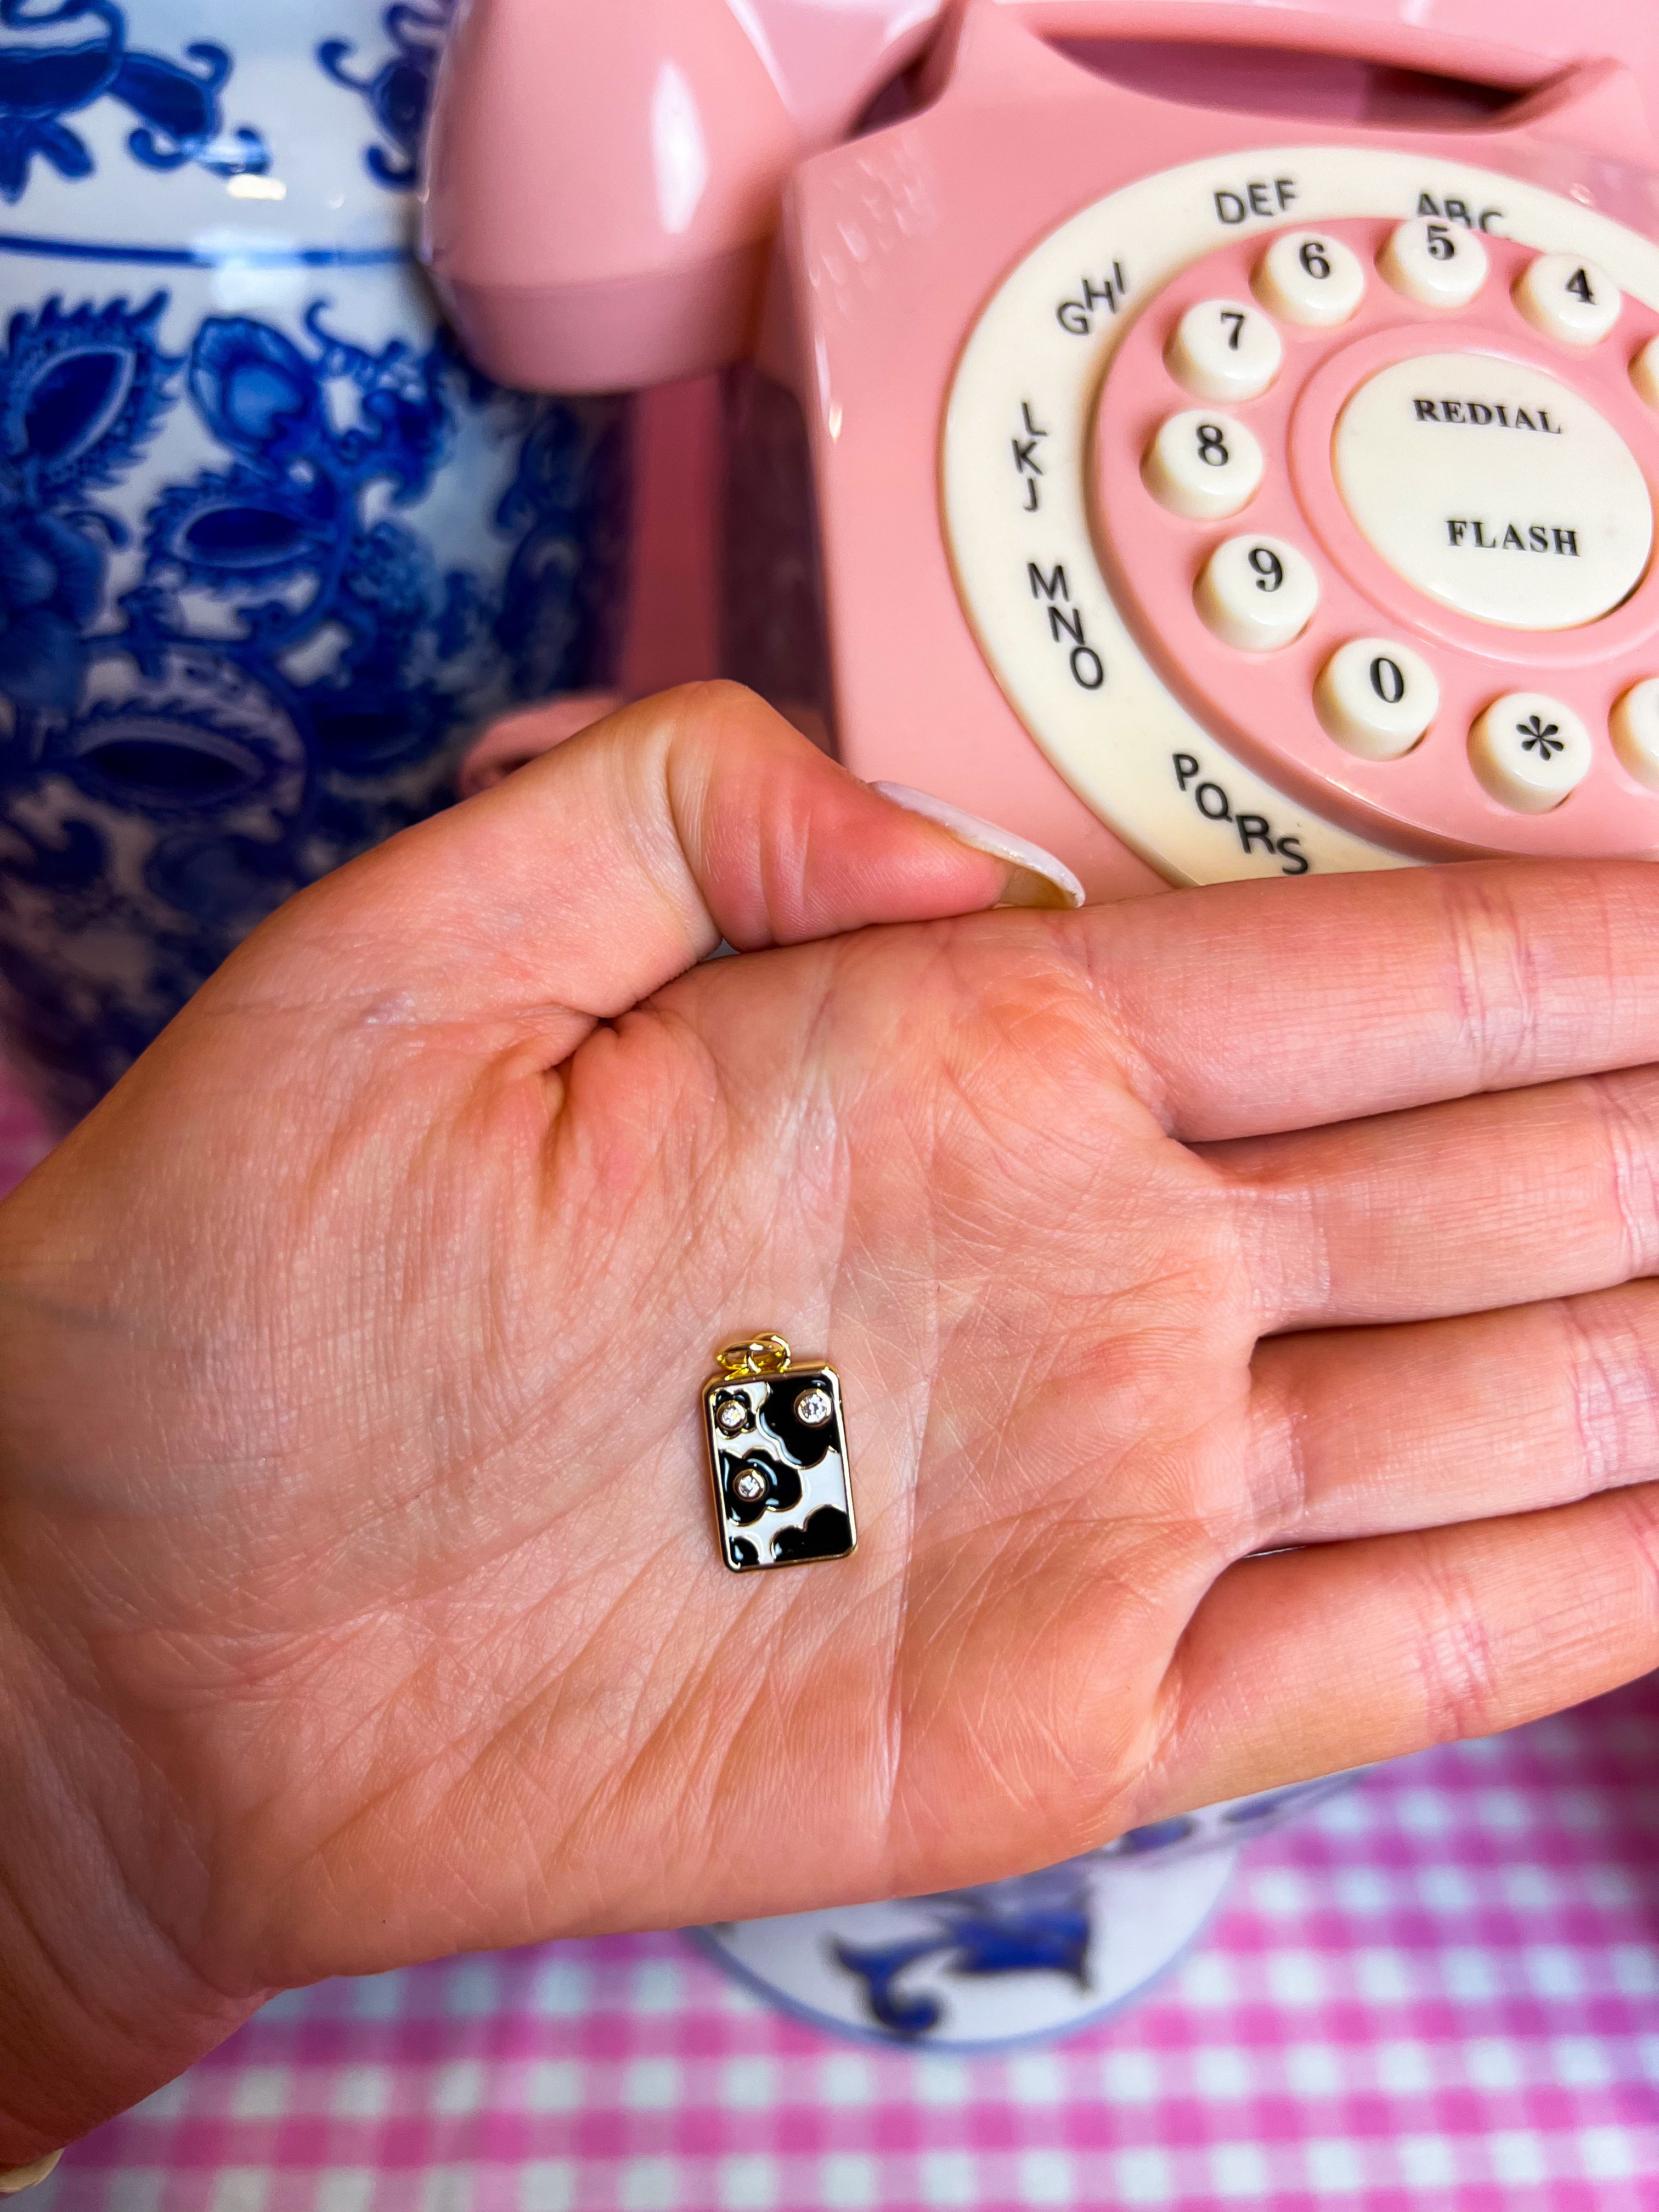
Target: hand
[{"x": 359, "y": 1595}]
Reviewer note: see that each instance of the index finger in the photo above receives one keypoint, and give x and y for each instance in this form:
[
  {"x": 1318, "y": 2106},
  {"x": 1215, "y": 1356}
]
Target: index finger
[{"x": 1255, "y": 1008}]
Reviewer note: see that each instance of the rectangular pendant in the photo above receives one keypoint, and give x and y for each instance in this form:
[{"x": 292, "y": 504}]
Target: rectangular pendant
[{"x": 777, "y": 1454}]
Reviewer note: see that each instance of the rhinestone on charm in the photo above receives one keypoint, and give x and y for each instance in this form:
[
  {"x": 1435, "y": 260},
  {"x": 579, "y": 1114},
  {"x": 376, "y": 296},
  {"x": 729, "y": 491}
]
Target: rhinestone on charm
[{"x": 777, "y": 1451}]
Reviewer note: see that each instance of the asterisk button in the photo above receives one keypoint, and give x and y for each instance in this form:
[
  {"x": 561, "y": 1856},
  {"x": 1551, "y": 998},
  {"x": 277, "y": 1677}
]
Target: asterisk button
[{"x": 1530, "y": 751}]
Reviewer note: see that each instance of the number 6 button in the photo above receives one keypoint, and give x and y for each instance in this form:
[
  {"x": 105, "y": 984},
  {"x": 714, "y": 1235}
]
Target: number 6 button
[
  {"x": 1258, "y": 593},
  {"x": 1203, "y": 465},
  {"x": 1308, "y": 279},
  {"x": 1377, "y": 698}
]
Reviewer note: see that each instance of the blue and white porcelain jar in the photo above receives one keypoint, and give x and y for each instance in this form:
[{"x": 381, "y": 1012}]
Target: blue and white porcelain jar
[
  {"x": 270, "y": 551},
  {"x": 1021, "y": 1962}
]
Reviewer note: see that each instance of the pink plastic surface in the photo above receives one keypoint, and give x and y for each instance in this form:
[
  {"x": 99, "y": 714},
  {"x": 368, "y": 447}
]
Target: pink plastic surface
[
  {"x": 604, "y": 179},
  {"x": 890, "y": 248},
  {"x": 1262, "y": 704},
  {"x": 605, "y": 183}
]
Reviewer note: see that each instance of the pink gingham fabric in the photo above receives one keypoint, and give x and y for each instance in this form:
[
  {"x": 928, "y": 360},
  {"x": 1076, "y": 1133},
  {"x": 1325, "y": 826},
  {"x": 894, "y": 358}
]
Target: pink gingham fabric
[{"x": 1440, "y": 1989}]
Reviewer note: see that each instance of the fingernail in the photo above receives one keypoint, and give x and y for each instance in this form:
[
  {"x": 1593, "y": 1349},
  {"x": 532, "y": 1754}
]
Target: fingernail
[
  {"x": 1038, "y": 880},
  {"x": 25, "y": 2177}
]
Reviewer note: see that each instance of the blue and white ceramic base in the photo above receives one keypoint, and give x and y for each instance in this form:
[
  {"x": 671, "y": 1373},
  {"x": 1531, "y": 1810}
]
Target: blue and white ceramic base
[
  {"x": 269, "y": 552},
  {"x": 1026, "y": 1960},
  {"x": 977, "y": 1970}
]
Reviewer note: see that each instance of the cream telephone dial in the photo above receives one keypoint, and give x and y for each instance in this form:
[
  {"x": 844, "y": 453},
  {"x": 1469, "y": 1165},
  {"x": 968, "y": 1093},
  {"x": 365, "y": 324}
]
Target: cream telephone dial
[{"x": 1234, "y": 429}]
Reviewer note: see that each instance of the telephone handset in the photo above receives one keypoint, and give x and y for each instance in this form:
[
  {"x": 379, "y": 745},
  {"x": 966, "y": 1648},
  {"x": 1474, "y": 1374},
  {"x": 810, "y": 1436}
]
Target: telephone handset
[{"x": 1290, "y": 482}]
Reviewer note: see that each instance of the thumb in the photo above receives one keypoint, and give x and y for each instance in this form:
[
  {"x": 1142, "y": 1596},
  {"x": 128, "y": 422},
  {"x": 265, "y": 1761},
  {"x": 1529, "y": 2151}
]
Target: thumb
[{"x": 597, "y": 874}]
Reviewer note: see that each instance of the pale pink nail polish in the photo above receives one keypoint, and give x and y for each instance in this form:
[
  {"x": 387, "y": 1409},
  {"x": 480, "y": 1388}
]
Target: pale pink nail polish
[{"x": 1039, "y": 879}]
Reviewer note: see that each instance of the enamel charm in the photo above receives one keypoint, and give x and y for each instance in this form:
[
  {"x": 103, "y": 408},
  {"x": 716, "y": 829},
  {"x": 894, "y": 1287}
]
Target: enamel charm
[{"x": 777, "y": 1454}]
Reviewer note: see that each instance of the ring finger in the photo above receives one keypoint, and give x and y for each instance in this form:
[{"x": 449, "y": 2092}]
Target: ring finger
[{"x": 1369, "y": 1433}]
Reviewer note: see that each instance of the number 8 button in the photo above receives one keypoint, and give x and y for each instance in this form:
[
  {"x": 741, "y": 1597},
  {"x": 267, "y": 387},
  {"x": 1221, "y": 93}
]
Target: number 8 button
[{"x": 1203, "y": 465}]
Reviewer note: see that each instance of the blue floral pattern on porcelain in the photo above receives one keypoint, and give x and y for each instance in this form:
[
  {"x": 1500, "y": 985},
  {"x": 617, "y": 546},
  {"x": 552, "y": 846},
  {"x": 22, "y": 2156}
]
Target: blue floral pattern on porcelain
[
  {"x": 270, "y": 551},
  {"x": 1041, "y": 1955},
  {"x": 400, "y": 91},
  {"x": 176, "y": 105},
  {"x": 1035, "y": 1923}
]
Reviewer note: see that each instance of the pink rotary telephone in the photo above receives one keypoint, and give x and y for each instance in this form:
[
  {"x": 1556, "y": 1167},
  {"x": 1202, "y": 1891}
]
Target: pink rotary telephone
[{"x": 1234, "y": 423}]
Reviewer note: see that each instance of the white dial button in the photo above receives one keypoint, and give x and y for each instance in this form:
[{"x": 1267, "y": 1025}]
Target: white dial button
[
  {"x": 1224, "y": 349},
  {"x": 1203, "y": 465},
  {"x": 1568, "y": 299},
  {"x": 1308, "y": 278},
  {"x": 1496, "y": 489},
  {"x": 1376, "y": 697},
  {"x": 1258, "y": 593},
  {"x": 1530, "y": 751},
  {"x": 1644, "y": 373},
  {"x": 1438, "y": 265},
  {"x": 1635, "y": 723}
]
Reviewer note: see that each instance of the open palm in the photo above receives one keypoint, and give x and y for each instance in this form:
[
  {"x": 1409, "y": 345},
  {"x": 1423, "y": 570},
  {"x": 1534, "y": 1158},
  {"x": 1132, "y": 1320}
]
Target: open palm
[{"x": 359, "y": 1599}]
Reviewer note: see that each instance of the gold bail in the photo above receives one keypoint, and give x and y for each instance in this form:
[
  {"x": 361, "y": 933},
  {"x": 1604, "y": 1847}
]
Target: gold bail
[{"x": 761, "y": 1355}]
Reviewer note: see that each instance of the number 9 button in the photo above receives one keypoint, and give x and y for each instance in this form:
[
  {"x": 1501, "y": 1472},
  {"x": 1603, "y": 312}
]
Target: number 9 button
[{"x": 1258, "y": 593}]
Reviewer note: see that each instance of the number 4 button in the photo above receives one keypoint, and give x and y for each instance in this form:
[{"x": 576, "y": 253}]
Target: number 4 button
[{"x": 1568, "y": 299}]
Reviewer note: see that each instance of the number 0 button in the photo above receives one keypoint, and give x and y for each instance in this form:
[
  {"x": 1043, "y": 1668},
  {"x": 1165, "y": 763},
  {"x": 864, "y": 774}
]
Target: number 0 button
[
  {"x": 1203, "y": 465},
  {"x": 1258, "y": 593},
  {"x": 1438, "y": 265},
  {"x": 1568, "y": 299},
  {"x": 1223, "y": 349},
  {"x": 1377, "y": 698},
  {"x": 1312, "y": 280},
  {"x": 1530, "y": 751}
]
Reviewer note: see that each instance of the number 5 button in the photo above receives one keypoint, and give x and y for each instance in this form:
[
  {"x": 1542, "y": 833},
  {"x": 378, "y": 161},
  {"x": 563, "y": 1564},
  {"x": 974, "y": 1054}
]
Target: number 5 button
[
  {"x": 1203, "y": 465},
  {"x": 1258, "y": 593},
  {"x": 1377, "y": 698},
  {"x": 1436, "y": 264}
]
